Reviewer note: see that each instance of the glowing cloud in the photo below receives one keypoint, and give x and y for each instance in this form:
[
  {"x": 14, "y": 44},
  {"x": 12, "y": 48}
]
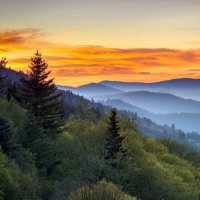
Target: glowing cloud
[{"x": 75, "y": 65}]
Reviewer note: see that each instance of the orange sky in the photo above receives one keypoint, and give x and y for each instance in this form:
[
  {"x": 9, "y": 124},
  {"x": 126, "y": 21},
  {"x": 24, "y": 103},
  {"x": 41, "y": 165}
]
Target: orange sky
[
  {"x": 77, "y": 65},
  {"x": 94, "y": 40}
]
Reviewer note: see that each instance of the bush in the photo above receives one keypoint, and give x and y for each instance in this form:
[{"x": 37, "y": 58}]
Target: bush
[{"x": 100, "y": 191}]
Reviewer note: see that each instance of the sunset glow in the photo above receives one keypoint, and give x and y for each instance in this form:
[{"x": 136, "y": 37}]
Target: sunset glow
[{"x": 95, "y": 45}]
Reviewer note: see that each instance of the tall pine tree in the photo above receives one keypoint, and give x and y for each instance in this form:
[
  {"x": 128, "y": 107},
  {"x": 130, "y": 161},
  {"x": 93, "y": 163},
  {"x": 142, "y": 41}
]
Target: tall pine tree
[
  {"x": 39, "y": 96},
  {"x": 113, "y": 145}
]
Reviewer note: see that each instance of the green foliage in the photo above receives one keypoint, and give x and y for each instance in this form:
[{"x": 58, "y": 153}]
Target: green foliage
[
  {"x": 5, "y": 135},
  {"x": 81, "y": 131},
  {"x": 14, "y": 114},
  {"x": 114, "y": 141},
  {"x": 154, "y": 147},
  {"x": 14, "y": 184},
  {"x": 149, "y": 170},
  {"x": 181, "y": 150},
  {"x": 98, "y": 137},
  {"x": 84, "y": 111},
  {"x": 100, "y": 191},
  {"x": 39, "y": 144},
  {"x": 26, "y": 186},
  {"x": 65, "y": 187},
  {"x": 92, "y": 168},
  {"x": 152, "y": 169},
  {"x": 25, "y": 159}
]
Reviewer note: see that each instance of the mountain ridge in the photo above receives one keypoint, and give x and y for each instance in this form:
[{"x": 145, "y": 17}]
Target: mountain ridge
[
  {"x": 92, "y": 88},
  {"x": 173, "y": 85},
  {"x": 156, "y": 102},
  {"x": 184, "y": 121},
  {"x": 187, "y": 88},
  {"x": 170, "y": 117}
]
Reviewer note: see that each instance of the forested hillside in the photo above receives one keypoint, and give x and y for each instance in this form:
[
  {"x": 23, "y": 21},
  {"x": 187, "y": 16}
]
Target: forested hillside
[{"x": 54, "y": 150}]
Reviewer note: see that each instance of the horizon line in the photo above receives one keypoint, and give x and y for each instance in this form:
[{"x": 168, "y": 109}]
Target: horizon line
[{"x": 166, "y": 80}]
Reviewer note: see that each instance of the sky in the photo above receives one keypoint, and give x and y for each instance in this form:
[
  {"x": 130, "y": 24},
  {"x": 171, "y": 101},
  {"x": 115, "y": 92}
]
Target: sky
[{"x": 85, "y": 41}]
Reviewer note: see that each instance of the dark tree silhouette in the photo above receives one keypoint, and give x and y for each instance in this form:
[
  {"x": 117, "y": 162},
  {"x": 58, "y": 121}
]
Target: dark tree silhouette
[
  {"x": 114, "y": 141},
  {"x": 39, "y": 96},
  {"x": 5, "y": 135}
]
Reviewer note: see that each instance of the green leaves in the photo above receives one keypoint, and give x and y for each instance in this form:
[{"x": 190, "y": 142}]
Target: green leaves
[{"x": 102, "y": 190}]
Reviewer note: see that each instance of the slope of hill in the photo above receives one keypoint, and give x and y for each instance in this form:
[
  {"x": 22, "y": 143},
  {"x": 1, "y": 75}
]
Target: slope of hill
[
  {"x": 60, "y": 87},
  {"x": 188, "y": 95},
  {"x": 150, "y": 124},
  {"x": 185, "y": 87},
  {"x": 13, "y": 76},
  {"x": 92, "y": 89},
  {"x": 157, "y": 103},
  {"x": 121, "y": 105},
  {"x": 174, "y": 85},
  {"x": 127, "y": 86},
  {"x": 185, "y": 121}
]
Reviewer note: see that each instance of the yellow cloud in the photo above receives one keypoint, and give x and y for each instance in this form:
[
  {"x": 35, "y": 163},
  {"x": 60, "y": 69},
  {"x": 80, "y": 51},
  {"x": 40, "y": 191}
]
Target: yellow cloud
[{"x": 74, "y": 65}]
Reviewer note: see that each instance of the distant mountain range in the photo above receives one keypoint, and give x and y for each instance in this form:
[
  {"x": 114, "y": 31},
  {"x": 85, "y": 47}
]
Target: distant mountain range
[
  {"x": 186, "y": 88},
  {"x": 155, "y": 101},
  {"x": 169, "y": 86},
  {"x": 92, "y": 89},
  {"x": 175, "y": 101}
]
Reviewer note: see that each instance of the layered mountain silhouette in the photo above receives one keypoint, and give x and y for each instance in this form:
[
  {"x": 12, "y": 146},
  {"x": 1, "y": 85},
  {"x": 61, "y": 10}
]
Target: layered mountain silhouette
[
  {"x": 174, "y": 85},
  {"x": 92, "y": 89},
  {"x": 186, "y": 88},
  {"x": 167, "y": 102},
  {"x": 158, "y": 103},
  {"x": 175, "y": 101},
  {"x": 121, "y": 105},
  {"x": 183, "y": 121}
]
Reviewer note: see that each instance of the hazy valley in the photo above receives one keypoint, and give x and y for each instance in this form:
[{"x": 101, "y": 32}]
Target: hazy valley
[{"x": 168, "y": 102}]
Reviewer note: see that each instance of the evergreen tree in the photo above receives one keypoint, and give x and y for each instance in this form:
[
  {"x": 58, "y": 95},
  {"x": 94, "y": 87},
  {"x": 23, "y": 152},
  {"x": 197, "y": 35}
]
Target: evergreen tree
[
  {"x": 114, "y": 141},
  {"x": 39, "y": 96},
  {"x": 5, "y": 135},
  {"x": 39, "y": 144}
]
